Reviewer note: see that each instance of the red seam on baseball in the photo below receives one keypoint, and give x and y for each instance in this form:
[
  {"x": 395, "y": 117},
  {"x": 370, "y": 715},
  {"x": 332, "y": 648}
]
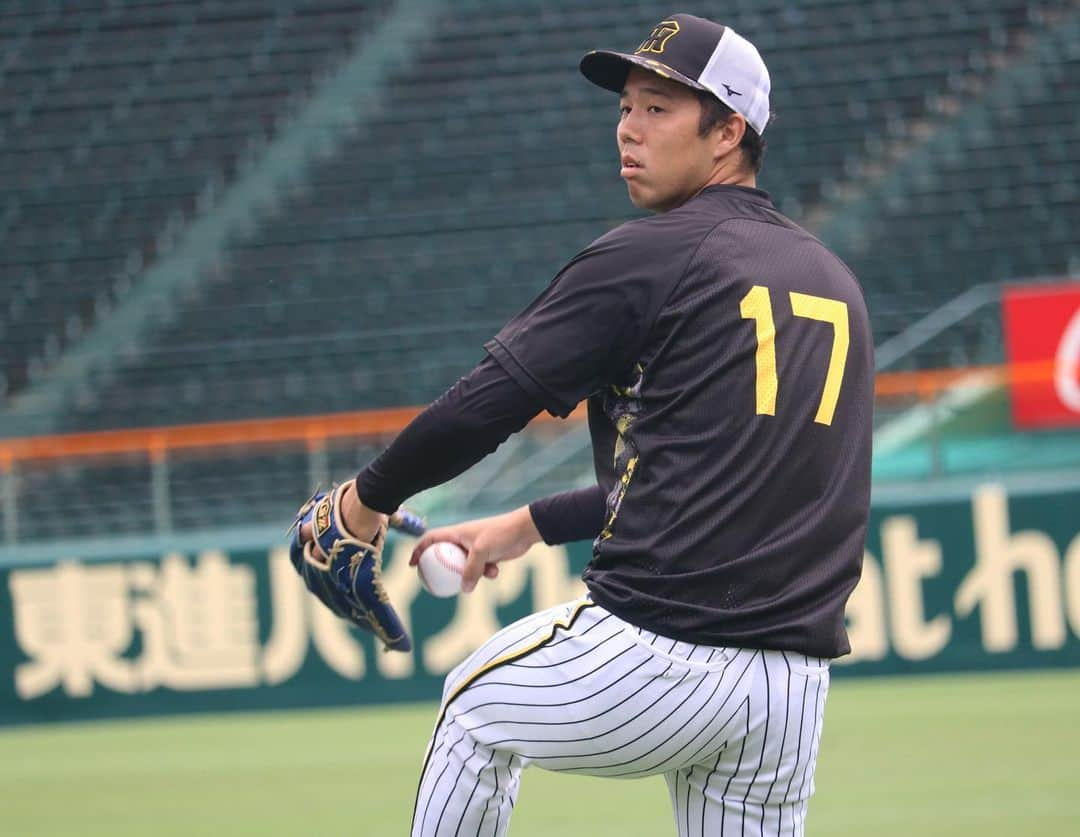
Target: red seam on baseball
[{"x": 446, "y": 562}]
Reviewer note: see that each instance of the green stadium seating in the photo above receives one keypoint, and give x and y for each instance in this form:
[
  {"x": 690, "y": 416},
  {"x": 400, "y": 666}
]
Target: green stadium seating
[
  {"x": 490, "y": 162},
  {"x": 120, "y": 116}
]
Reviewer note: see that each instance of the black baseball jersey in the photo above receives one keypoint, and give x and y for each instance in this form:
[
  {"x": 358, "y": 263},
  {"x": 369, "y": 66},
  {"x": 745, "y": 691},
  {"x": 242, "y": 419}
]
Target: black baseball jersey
[{"x": 728, "y": 364}]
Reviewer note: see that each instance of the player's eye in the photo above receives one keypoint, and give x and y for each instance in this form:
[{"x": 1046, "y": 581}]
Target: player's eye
[
  {"x": 624, "y": 109},
  {"x": 655, "y": 109}
]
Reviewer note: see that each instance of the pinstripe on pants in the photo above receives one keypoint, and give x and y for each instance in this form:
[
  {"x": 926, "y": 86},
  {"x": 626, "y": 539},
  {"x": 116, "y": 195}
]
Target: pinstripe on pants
[{"x": 575, "y": 689}]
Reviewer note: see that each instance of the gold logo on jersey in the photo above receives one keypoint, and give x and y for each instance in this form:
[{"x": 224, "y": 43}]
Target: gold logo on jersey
[{"x": 663, "y": 33}]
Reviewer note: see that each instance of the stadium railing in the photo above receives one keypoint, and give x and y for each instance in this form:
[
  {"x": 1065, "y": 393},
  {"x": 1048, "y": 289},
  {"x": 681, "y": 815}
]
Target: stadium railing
[{"x": 929, "y": 423}]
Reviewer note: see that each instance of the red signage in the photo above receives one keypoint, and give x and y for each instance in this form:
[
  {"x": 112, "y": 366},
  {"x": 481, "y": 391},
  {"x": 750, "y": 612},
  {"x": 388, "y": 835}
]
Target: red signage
[{"x": 1042, "y": 343}]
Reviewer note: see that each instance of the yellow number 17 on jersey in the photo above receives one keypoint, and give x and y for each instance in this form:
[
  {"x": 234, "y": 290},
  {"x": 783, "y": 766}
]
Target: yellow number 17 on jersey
[{"x": 757, "y": 306}]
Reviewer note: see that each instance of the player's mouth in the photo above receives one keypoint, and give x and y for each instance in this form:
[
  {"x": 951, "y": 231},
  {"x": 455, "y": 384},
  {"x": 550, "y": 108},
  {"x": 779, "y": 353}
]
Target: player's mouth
[{"x": 630, "y": 166}]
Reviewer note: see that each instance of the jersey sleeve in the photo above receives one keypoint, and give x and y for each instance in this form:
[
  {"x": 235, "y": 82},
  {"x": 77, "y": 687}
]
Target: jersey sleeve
[
  {"x": 461, "y": 427},
  {"x": 576, "y": 515},
  {"x": 589, "y": 326}
]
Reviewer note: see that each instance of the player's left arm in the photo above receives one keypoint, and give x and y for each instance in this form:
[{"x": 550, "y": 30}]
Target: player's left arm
[
  {"x": 461, "y": 427},
  {"x": 337, "y": 549}
]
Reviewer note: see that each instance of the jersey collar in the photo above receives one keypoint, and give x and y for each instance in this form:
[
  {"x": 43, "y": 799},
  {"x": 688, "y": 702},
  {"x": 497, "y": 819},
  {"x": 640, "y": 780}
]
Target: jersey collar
[{"x": 758, "y": 196}]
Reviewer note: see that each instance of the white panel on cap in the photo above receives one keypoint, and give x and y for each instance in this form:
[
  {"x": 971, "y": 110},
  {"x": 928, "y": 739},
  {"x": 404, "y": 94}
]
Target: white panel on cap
[{"x": 736, "y": 65}]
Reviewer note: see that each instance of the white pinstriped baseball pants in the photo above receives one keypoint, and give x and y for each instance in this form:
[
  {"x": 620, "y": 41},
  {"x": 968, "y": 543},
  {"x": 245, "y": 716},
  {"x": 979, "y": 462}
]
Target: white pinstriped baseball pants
[{"x": 575, "y": 689}]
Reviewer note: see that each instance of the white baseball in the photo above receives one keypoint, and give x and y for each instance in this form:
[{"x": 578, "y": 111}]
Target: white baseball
[{"x": 440, "y": 568}]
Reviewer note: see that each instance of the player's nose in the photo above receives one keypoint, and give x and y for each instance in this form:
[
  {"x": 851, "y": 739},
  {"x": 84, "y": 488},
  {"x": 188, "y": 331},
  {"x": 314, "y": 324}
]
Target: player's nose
[{"x": 628, "y": 131}]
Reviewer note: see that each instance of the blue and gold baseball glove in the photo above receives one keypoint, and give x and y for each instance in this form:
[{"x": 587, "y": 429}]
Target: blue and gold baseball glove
[{"x": 345, "y": 573}]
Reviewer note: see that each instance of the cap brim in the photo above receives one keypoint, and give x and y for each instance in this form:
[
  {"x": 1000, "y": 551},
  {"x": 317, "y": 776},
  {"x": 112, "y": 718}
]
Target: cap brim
[{"x": 609, "y": 69}]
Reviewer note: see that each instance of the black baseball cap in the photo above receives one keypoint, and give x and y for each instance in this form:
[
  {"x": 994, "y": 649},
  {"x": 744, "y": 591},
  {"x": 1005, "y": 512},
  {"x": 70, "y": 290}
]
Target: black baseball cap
[{"x": 698, "y": 53}]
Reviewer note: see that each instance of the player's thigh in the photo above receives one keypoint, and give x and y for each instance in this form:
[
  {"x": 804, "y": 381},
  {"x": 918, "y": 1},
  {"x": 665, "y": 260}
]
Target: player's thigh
[
  {"x": 451, "y": 750},
  {"x": 509, "y": 642},
  {"x": 760, "y": 779},
  {"x": 595, "y": 695}
]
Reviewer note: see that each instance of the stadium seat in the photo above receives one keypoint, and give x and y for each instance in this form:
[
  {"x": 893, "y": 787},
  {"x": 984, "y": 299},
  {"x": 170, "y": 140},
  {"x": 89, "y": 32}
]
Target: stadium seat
[{"x": 488, "y": 163}]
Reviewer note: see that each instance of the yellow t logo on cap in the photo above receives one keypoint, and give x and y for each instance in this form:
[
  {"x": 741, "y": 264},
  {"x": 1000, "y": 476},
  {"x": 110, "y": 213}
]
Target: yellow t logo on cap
[{"x": 659, "y": 37}]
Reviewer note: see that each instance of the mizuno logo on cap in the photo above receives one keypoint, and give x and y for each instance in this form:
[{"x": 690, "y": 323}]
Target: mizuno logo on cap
[{"x": 663, "y": 33}]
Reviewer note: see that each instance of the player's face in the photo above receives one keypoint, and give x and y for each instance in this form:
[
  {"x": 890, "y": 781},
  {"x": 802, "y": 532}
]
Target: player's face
[{"x": 665, "y": 161}]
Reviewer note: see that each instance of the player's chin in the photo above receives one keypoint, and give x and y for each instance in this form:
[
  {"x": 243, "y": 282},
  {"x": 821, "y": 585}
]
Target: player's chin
[
  {"x": 640, "y": 196},
  {"x": 646, "y": 199}
]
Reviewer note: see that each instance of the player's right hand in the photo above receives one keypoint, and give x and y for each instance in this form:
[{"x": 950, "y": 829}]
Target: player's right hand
[{"x": 487, "y": 541}]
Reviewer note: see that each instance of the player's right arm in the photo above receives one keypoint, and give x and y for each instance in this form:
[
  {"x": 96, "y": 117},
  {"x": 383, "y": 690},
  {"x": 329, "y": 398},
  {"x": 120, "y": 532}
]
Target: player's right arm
[
  {"x": 570, "y": 516},
  {"x": 488, "y": 541}
]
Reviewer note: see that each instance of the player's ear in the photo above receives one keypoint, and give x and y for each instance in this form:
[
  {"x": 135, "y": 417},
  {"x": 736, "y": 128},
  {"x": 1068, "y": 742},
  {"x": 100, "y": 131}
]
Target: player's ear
[{"x": 727, "y": 135}]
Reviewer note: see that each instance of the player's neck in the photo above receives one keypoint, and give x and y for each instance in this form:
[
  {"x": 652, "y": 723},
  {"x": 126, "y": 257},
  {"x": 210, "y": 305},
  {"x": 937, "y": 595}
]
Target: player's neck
[
  {"x": 731, "y": 170},
  {"x": 746, "y": 179}
]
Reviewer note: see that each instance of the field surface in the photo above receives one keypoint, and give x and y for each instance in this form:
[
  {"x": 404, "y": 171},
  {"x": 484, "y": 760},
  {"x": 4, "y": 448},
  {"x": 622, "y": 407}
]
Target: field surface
[{"x": 986, "y": 755}]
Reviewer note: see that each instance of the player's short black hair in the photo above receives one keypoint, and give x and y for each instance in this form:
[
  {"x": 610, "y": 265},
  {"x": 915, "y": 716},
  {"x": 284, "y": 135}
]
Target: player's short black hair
[{"x": 715, "y": 112}]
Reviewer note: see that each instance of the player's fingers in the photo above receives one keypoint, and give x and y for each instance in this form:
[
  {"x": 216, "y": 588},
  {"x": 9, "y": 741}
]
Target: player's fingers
[
  {"x": 433, "y": 536},
  {"x": 307, "y": 534},
  {"x": 475, "y": 568},
  {"x": 491, "y": 570},
  {"x": 316, "y": 551},
  {"x": 422, "y": 544},
  {"x": 445, "y": 535}
]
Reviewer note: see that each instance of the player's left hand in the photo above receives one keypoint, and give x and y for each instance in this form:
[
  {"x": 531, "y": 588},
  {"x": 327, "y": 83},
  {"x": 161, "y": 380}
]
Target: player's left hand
[
  {"x": 342, "y": 565},
  {"x": 355, "y": 515},
  {"x": 487, "y": 541}
]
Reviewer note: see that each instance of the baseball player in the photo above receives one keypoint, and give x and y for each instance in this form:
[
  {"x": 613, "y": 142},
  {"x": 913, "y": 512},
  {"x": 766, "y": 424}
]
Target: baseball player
[{"x": 726, "y": 358}]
